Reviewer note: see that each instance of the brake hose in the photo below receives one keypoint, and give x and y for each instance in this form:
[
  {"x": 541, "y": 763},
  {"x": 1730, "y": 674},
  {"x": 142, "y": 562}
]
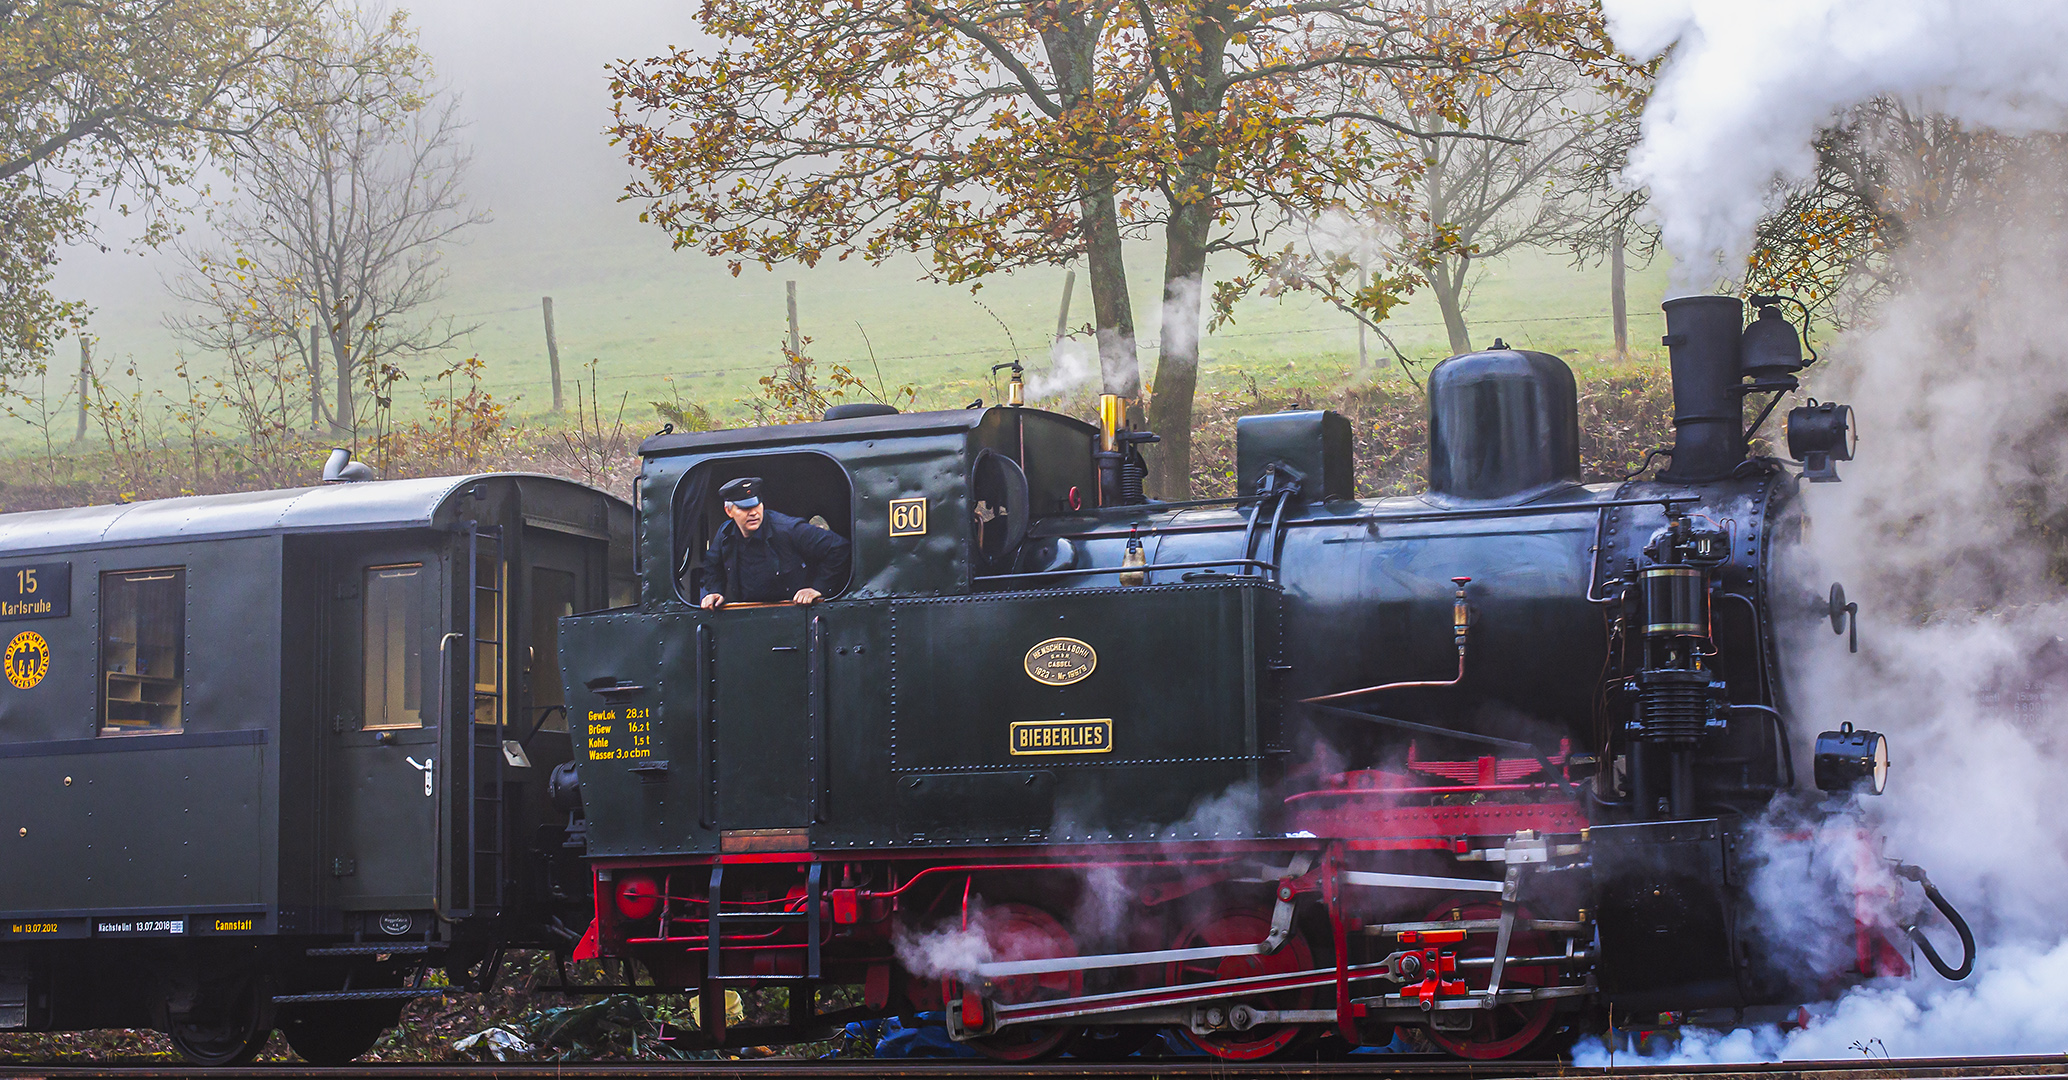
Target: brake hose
[{"x": 1967, "y": 937}]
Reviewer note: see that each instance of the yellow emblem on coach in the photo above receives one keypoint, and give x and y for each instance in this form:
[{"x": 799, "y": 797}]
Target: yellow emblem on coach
[
  {"x": 1060, "y": 661},
  {"x": 28, "y": 660}
]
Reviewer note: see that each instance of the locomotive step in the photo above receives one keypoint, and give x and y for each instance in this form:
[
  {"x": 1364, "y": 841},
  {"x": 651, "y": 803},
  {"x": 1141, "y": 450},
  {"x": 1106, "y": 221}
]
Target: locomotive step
[{"x": 398, "y": 994}]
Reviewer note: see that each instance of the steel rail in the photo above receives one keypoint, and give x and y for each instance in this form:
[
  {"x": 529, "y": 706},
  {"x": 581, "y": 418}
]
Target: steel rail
[{"x": 2047, "y": 1067}]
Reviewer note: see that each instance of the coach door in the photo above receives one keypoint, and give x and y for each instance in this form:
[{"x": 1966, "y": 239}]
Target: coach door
[
  {"x": 383, "y": 632},
  {"x": 564, "y": 575}
]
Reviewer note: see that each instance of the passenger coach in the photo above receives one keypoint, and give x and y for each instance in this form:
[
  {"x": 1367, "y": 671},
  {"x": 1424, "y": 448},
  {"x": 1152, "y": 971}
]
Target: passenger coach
[{"x": 266, "y": 758}]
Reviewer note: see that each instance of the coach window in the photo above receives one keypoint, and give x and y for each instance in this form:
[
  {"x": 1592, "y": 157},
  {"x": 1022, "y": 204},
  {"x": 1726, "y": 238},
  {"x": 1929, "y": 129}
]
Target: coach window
[
  {"x": 488, "y": 640},
  {"x": 143, "y": 636},
  {"x": 393, "y": 639},
  {"x": 803, "y": 484},
  {"x": 552, "y": 598}
]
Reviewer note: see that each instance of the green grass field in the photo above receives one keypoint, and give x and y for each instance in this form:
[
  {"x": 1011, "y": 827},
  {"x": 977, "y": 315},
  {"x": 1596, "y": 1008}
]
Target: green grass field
[
  {"x": 660, "y": 324},
  {"x": 681, "y": 317}
]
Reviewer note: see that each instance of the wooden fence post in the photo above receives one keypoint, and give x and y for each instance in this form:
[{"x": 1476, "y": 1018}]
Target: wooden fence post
[
  {"x": 1063, "y": 315},
  {"x": 85, "y": 387},
  {"x": 1363, "y": 283},
  {"x": 552, "y": 350},
  {"x": 1619, "y": 306},
  {"x": 796, "y": 341}
]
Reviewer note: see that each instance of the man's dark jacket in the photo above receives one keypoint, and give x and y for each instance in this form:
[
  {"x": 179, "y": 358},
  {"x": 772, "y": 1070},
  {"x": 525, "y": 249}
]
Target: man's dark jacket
[{"x": 784, "y": 555}]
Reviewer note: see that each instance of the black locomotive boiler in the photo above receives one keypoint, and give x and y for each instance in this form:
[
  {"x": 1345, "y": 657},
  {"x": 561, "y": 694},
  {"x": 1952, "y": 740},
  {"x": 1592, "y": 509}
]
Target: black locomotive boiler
[
  {"x": 267, "y": 758},
  {"x": 1076, "y": 767}
]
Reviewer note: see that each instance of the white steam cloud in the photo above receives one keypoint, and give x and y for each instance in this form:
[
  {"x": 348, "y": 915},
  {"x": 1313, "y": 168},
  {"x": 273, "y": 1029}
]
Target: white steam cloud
[
  {"x": 1072, "y": 366},
  {"x": 1181, "y": 314},
  {"x": 952, "y": 949},
  {"x": 2012, "y": 1003},
  {"x": 1750, "y": 82},
  {"x": 1947, "y": 531}
]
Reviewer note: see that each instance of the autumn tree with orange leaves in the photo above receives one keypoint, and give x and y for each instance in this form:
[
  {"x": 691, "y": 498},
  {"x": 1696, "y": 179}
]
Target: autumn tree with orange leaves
[
  {"x": 1889, "y": 175},
  {"x": 992, "y": 135}
]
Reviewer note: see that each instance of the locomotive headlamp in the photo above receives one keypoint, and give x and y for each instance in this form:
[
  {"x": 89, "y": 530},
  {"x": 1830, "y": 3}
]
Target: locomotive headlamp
[
  {"x": 1852, "y": 760},
  {"x": 1820, "y": 433}
]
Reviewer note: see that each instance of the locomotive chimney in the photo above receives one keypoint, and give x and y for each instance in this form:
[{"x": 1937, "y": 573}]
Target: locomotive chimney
[{"x": 1703, "y": 335}]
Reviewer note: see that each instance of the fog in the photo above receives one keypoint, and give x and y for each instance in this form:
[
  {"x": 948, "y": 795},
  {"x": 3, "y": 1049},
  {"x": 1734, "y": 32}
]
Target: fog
[{"x": 533, "y": 87}]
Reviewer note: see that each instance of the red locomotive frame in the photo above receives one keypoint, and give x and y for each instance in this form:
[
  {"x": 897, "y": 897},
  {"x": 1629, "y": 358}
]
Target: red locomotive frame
[{"x": 1279, "y": 916}]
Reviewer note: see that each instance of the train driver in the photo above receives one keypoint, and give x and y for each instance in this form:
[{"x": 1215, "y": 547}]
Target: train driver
[{"x": 765, "y": 557}]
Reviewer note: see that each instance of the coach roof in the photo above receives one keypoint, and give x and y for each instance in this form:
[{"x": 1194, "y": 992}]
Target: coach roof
[{"x": 350, "y": 507}]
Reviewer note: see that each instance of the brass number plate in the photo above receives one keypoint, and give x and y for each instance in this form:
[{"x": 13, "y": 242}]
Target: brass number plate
[{"x": 908, "y": 517}]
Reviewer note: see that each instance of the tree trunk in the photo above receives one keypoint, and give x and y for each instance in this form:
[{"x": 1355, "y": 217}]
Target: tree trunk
[
  {"x": 1196, "y": 87},
  {"x": 315, "y": 380},
  {"x": 342, "y": 421},
  {"x": 1177, "y": 357},
  {"x": 1449, "y": 287},
  {"x": 1120, "y": 369},
  {"x": 1070, "y": 34}
]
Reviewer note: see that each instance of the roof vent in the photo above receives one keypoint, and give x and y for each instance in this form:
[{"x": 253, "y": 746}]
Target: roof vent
[
  {"x": 341, "y": 469},
  {"x": 853, "y": 409}
]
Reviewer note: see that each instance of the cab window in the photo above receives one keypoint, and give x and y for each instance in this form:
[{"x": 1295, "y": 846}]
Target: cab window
[
  {"x": 392, "y": 643},
  {"x": 143, "y": 639},
  {"x": 803, "y": 485}
]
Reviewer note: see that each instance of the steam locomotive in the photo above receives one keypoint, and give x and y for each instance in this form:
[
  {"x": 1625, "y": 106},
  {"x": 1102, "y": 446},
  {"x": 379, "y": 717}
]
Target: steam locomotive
[
  {"x": 1075, "y": 768},
  {"x": 1285, "y": 770}
]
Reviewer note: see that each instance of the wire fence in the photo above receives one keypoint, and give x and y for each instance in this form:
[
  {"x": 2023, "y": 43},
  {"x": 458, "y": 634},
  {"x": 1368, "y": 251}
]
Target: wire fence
[{"x": 1150, "y": 346}]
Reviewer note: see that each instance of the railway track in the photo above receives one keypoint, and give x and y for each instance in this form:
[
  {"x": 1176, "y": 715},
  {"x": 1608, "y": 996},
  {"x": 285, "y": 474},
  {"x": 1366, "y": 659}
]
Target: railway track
[{"x": 2048, "y": 1067}]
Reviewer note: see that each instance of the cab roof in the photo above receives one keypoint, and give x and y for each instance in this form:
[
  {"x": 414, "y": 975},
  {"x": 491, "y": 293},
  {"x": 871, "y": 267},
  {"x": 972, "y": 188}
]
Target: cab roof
[
  {"x": 340, "y": 507},
  {"x": 891, "y": 425}
]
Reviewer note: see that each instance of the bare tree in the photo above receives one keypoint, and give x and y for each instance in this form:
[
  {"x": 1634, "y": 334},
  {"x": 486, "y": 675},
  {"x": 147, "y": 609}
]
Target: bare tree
[
  {"x": 1525, "y": 182},
  {"x": 1521, "y": 150},
  {"x": 345, "y": 207}
]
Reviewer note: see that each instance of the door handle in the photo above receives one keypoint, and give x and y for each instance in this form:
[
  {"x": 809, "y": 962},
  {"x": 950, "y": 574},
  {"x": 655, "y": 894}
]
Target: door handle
[{"x": 428, "y": 766}]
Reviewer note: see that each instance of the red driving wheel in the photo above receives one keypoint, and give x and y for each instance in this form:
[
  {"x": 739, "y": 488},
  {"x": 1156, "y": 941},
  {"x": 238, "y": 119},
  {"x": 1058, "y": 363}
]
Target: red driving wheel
[
  {"x": 1244, "y": 927},
  {"x": 1023, "y": 932},
  {"x": 1504, "y": 1030}
]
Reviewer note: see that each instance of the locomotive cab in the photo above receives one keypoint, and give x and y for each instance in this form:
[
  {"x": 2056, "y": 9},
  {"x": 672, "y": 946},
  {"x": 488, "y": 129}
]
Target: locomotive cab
[
  {"x": 928, "y": 500},
  {"x": 774, "y": 726}
]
